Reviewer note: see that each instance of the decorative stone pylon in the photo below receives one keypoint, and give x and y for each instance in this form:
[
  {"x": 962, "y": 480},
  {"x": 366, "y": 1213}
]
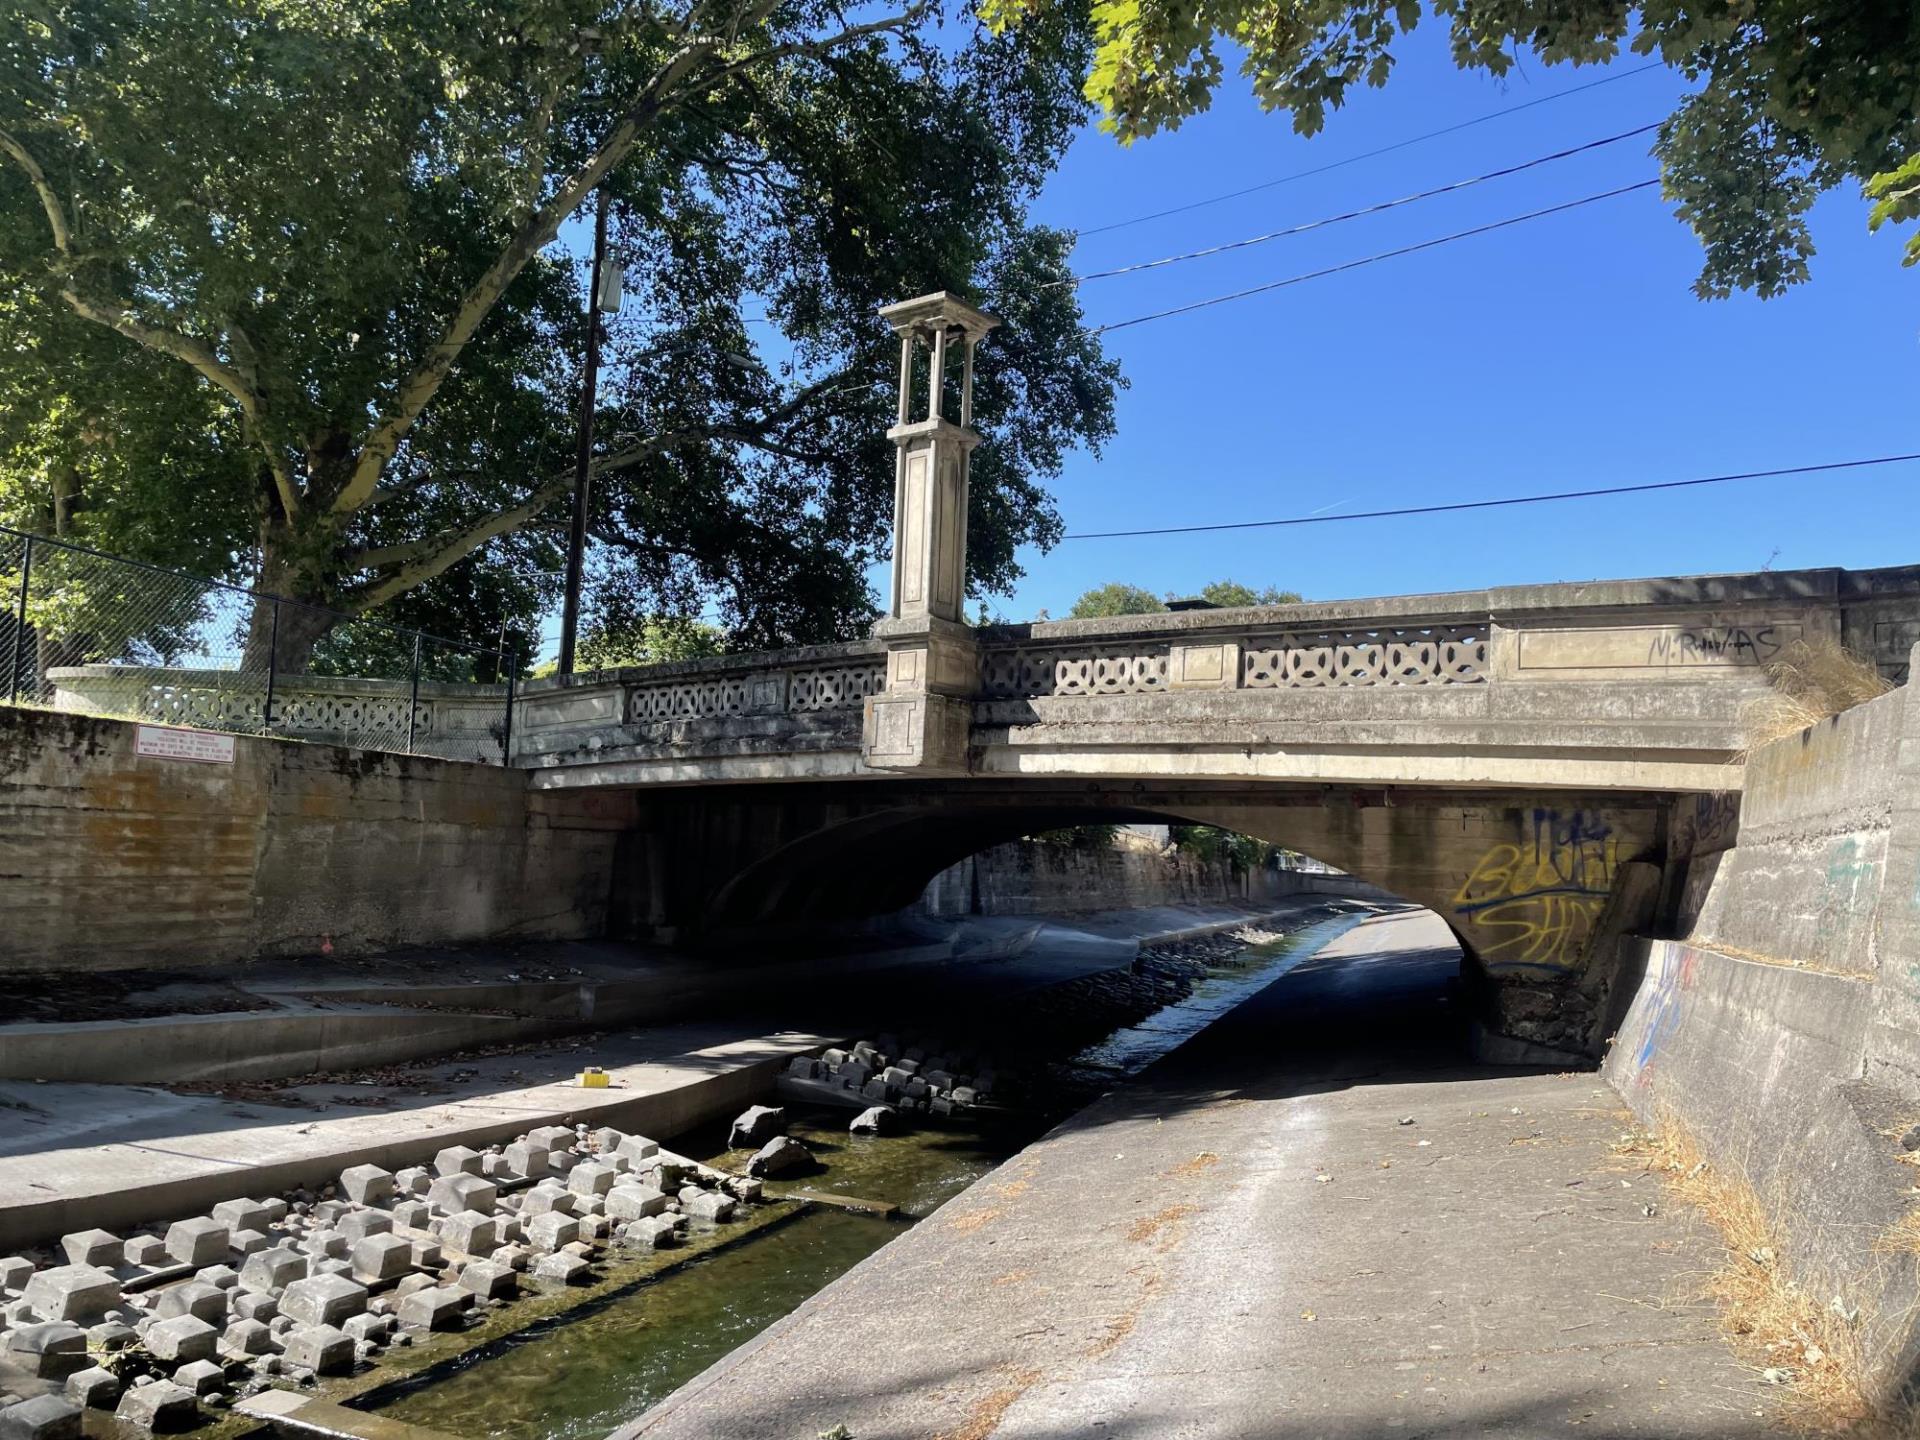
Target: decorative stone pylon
[{"x": 920, "y": 721}]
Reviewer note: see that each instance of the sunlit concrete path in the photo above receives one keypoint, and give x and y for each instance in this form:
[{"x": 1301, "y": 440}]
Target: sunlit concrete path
[{"x": 1312, "y": 1220}]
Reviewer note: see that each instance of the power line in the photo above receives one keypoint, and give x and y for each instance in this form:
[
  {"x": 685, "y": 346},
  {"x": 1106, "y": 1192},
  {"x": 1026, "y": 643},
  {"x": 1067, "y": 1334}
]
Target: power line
[
  {"x": 1368, "y": 154},
  {"x": 1376, "y": 258},
  {"x": 1509, "y": 500},
  {"x": 1375, "y": 209}
]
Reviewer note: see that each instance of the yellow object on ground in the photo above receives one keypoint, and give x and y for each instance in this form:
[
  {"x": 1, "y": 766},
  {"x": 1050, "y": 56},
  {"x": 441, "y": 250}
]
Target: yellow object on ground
[{"x": 592, "y": 1078}]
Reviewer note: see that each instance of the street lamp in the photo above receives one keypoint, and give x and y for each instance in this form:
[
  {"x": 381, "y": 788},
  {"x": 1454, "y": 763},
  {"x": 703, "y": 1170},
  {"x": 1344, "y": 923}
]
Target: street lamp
[{"x": 603, "y": 297}]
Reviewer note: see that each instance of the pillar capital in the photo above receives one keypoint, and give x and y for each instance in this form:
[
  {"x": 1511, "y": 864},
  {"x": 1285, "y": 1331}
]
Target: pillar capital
[{"x": 922, "y": 718}]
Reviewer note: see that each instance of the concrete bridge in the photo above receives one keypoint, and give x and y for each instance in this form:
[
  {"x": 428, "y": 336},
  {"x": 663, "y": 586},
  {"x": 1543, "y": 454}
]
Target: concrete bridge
[{"x": 1518, "y": 759}]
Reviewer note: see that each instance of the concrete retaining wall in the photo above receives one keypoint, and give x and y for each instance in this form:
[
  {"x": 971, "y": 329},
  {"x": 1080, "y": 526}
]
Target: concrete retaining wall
[
  {"x": 1031, "y": 877},
  {"x": 113, "y": 859},
  {"x": 1779, "y": 1029}
]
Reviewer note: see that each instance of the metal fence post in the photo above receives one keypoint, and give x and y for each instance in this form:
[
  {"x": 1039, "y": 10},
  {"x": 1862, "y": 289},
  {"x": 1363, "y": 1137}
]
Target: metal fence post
[
  {"x": 20, "y": 621},
  {"x": 506, "y": 730},
  {"x": 413, "y": 700},
  {"x": 273, "y": 666}
]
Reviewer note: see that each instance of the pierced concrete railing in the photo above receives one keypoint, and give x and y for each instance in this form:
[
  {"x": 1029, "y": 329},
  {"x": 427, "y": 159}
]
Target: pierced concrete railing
[
  {"x": 815, "y": 691},
  {"x": 1305, "y": 659},
  {"x": 451, "y": 722}
]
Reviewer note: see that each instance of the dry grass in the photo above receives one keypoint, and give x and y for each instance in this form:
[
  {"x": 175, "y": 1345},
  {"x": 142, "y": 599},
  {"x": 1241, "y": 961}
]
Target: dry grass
[
  {"x": 1902, "y": 1237},
  {"x": 1810, "y": 681},
  {"x": 1188, "y": 1169},
  {"x": 1810, "y": 1350}
]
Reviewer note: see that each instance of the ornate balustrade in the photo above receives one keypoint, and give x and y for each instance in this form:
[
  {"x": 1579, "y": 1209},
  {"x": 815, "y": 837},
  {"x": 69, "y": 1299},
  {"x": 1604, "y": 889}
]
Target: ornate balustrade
[
  {"x": 1449, "y": 654},
  {"x": 452, "y": 722}
]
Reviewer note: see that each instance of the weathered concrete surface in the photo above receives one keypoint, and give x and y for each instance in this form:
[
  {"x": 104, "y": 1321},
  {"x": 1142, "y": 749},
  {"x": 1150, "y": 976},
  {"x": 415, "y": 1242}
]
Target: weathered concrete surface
[
  {"x": 1172, "y": 1263},
  {"x": 77, "y": 1156},
  {"x": 1795, "y": 1059},
  {"x": 289, "y": 849},
  {"x": 80, "y": 1156},
  {"x": 1621, "y": 685}
]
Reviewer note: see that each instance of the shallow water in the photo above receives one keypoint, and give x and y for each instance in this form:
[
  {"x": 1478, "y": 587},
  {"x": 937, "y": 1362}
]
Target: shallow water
[
  {"x": 1131, "y": 1050},
  {"x": 579, "y": 1376}
]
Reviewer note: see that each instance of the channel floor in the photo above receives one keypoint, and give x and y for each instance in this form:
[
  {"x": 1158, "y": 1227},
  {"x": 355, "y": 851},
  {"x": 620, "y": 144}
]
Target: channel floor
[{"x": 1311, "y": 1220}]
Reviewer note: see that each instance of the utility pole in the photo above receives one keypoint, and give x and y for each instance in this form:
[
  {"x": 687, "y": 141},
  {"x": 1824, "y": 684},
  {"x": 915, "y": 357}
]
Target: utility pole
[{"x": 603, "y": 293}]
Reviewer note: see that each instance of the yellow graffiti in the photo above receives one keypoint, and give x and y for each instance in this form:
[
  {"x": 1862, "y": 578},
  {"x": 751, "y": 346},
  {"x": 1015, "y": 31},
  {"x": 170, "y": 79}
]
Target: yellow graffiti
[{"x": 1541, "y": 898}]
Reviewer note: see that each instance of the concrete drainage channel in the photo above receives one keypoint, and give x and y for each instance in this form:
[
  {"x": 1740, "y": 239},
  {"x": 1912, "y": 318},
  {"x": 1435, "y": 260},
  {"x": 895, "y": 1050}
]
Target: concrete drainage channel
[{"x": 441, "y": 1291}]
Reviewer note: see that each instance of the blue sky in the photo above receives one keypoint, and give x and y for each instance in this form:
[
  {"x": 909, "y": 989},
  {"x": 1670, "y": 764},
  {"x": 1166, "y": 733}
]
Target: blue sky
[{"x": 1564, "y": 353}]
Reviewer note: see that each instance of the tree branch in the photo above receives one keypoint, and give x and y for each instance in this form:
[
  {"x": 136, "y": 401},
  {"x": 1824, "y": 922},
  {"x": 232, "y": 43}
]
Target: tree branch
[
  {"x": 540, "y": 227},
  {"x": 121, "y": 319}
]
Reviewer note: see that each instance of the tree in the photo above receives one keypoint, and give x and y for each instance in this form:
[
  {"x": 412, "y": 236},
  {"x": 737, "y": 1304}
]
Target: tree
[
  {"x": 1115, "y": 599},
  {"x": 1121, "y": 599},
  {"x": 315, "y": 242},
  {"x": 1792, "y": 98},
  {"x": 1231, "y": 594}
]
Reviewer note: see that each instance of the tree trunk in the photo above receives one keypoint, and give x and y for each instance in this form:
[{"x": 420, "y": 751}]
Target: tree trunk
[{"x": 283, "y": 635}]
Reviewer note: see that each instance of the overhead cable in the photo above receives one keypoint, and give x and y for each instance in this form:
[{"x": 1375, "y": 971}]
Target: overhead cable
[
  {"x": 1458, "y": 505},
  {"x": 1369, "y": 154},
  {"x": 1375, "y": 259}
]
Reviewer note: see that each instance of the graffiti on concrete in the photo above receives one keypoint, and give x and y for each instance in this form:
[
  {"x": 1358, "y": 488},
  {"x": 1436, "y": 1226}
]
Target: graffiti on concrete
[
  {"x": 1714, "y": 645},
  {"x": 1676, "y": 978},
  {"x": 1848, "y": 894},
  {"x": 1534, "y": 902},
  {"x": 1712, "y": 822}
]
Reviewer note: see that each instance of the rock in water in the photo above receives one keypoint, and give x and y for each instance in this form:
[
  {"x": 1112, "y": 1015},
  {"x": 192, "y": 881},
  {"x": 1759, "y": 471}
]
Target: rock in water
[
  {"x": 782, "y": 1155},
  {"x": 756, "y": 1125},
  {"x": 875, "y": 1120}
]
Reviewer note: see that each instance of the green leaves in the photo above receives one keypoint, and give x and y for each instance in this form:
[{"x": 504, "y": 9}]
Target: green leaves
[
  {"x": 282, "y": 210},
  {"x": 1792, "y": 97}
]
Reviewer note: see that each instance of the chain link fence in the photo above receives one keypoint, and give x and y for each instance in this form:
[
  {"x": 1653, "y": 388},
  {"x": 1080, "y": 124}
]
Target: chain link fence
[{"x": 97, "y": 634}]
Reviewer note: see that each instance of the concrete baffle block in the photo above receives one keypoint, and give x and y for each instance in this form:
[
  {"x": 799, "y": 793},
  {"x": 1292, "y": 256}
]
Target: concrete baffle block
[
  {"x": 243, "y": 1214},
  {"x": 552, "y": 1230},
  {"x": 457, "y": 1160},
  {"x": 182, "y": 1339},
  {"x": 636, "y": 1150},
  {"x": 94, "y": 1388},
  {"x": 632, "y": 1202},
  {"x": 44, "y": 1417},
  {"x": 451, "y": 1194},
  {"x": 272, "y": 1270},
  {"x": 145, "y": 1252},
  {"x": 551, "y": 1137},
  {"x": 195, "y": 1298},
  {"x": 322, "y": 1300},
  {"x": 96, "y": 1248},
  {"x": 437, "y": 1307},
  {"x": 80, "y": 1293},
  {"x": 161, "y": 1407},
  {"x": 525, "y": 1159},
  {"x": 488, "y": 1280},
  {"x": 380, "y": 1258},
  {"x": 594, "y": 1177},
  {"x": 710, "y": 1206},
  {"x": 471, "y": 1233},
  {"x": 201, "y": 1377},
  {"x": 244, "y": 1339},
  {"x": 362, "y": 1223},
  {"x": 548, "y": 1195},
  {"x": 196, "y": 1242},
  {"x": 14, "y": 1274},
  {"x": 47, "y": 1350},
  {"x": 367, "y": 1184},
  {"x": 561, "y": 1269},
  {"x": 322, "y": 1349}
]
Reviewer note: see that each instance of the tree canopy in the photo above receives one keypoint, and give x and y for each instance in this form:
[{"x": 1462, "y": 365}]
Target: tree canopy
[
  {"x": 287, "y": 292},
  {"x": 1122, "y": 599},
  {"x": 1792, "y": 98}
]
